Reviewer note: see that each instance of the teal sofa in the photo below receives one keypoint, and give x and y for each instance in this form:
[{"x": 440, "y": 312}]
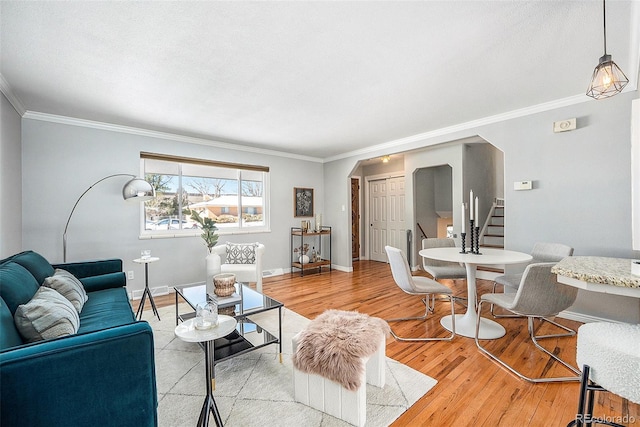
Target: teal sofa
[{"x": 102, "y": 375}]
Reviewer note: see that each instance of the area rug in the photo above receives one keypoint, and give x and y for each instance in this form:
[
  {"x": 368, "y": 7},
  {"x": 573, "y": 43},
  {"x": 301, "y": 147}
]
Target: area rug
[{"x": 255, "y": 389}]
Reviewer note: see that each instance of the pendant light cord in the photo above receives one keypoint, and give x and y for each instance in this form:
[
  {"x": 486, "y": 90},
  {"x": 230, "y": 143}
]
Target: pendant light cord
[{"x": 604, "y": 24}]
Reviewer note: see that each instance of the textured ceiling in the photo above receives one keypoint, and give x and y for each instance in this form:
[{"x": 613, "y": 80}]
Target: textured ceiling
[{"x": 317, "y": 79}]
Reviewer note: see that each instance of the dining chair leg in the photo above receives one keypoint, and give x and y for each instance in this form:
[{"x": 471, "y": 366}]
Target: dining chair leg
[
  {"x": 427, "y": 310},
  {"x": 513, "y": 370}
]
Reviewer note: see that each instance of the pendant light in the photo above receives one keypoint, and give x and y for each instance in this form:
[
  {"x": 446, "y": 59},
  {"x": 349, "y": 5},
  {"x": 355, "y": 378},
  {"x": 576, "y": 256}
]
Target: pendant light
[{"x": 607, "y": 79}]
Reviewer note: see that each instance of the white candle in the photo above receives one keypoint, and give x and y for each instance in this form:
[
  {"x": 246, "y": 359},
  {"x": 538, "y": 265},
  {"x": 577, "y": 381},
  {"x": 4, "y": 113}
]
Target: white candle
[
  {"x": 471, "y": 205},
  {"x": 476, "y": 214},
  {"x": 463, "y": 215}
]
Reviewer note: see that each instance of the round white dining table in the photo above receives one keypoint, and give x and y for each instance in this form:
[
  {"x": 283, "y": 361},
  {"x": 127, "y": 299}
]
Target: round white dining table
[{"x": 466, "y": 323}]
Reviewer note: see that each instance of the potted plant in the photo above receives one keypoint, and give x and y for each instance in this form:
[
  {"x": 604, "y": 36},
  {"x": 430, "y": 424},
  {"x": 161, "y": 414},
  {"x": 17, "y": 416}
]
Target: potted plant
[
  {"x": 210, "y": 237},
  {"x": 209, "y": 230}
]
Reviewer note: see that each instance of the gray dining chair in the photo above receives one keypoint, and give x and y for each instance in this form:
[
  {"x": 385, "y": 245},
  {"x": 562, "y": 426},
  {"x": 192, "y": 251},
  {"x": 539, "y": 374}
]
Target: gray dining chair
[
  {"x": 442, "y": 269},
  {"x": 541, "y": 252},
  {"x": 539, "y": 296},
  {"x": 420, "y": 286}
]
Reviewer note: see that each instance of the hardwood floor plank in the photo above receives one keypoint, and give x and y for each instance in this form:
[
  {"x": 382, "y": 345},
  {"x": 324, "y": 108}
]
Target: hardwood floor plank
[{"x": 471, "y": 388}]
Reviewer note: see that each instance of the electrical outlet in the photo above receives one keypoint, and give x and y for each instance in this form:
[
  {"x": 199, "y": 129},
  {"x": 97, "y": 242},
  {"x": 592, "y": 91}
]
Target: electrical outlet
[{"x": 130, "y": 275}]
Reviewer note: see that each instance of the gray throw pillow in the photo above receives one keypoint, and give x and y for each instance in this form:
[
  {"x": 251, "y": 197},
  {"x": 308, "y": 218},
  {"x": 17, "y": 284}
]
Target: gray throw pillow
[
  {"x": 68, "y": 286},
  {"x": 48, "y": 315},
  {"x": 241, "y": 253}
]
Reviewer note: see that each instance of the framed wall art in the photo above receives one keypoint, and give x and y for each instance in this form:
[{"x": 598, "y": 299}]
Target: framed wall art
[{"x": 302, "y": 202}]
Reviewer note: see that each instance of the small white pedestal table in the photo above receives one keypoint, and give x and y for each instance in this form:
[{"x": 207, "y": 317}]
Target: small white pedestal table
[
  {"x": 187, "y": 331},
  {"x": 466, "y": 323},
  {"x": 147, "y": 291}
]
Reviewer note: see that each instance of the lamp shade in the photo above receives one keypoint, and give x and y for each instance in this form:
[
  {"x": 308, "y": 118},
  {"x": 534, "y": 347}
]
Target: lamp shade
[
  {"x": 607, "y": 79},
  {"x": 138, "y": 190}
]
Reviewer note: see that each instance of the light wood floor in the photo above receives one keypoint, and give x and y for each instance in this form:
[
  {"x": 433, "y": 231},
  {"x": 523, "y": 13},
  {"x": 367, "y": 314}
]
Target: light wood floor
[{"x": 471, "y": 389}]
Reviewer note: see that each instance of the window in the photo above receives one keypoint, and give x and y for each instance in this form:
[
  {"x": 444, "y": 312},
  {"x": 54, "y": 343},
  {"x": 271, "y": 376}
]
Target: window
[{"x": 234, "y": 195}]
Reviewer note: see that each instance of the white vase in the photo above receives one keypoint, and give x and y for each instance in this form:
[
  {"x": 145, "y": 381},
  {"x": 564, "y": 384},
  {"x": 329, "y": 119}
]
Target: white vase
[
  {"x": 213, "y": 268},
  {"x": 304, "y": 259}
]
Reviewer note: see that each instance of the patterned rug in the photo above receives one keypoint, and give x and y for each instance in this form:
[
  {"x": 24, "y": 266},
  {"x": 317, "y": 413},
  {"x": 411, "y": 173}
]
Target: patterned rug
[{"x": 255, "y": 389}]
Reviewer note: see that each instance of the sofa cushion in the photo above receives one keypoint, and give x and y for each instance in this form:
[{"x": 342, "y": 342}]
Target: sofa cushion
[
  {"x": 241, "y": 253},
  {"x": 105, "y": 309},
  {"x": 48, "y": 315},
  {"x": 37, "y": 265},
  {"x": 68, "y": 286},
  {"x": 9, "y": 337},
  {"x": 17, "y": 285}
]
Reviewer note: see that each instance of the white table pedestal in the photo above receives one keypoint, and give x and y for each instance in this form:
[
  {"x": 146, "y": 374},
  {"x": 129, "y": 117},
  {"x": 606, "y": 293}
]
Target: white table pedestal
[{"x": 466, "y": 323}]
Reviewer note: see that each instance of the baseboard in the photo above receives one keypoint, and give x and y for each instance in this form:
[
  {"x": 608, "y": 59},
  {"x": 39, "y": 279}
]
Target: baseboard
[
  {"x": 273, "y": 272},
  {"x": 160, "y": 290},
  {"x": 584, "y": 318}
]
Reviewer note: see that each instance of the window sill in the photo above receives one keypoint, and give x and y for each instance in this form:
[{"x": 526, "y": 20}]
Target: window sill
[{"x": 197, "y": 233}]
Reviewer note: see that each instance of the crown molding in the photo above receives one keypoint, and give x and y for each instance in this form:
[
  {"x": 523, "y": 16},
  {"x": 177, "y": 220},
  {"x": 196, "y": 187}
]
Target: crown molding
[
  {"x": 13, "y": 99},
  {"x": 72, "y": 121},
  {"x": 401, "y": 144}
]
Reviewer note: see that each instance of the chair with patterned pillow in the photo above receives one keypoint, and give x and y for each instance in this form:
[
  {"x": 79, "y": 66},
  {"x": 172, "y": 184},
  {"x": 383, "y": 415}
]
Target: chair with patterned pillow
[{"x": 242, "y": 259}]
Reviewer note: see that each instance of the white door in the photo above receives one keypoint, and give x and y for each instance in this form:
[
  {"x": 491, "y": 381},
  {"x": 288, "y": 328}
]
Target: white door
[
  {"x": 378, "y": 215},
  {"x": 387, "y": 216},
  {"x": 396, "y": 228}
]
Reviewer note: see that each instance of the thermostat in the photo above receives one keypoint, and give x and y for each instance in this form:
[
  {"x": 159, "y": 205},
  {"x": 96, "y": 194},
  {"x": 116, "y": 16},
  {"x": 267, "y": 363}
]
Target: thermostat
[
  {"x": 564, "y": 125},
  {"x": 522, "y": 185}
]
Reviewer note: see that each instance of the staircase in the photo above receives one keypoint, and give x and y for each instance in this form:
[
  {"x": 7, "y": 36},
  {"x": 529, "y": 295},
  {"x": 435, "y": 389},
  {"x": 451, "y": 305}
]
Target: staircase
[{"x": 492, "y": 236}]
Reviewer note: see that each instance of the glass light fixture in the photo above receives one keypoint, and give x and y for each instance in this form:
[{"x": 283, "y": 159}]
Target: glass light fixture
[
  {"x": 385, "y": 159},
  {"x": 607, "y": 79}
]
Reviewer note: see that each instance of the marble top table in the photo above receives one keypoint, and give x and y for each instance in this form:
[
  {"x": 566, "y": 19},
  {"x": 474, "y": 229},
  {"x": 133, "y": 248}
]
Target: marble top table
[
  {"x": 599, "y": 274},
  {"x": 466, "y": 323}
]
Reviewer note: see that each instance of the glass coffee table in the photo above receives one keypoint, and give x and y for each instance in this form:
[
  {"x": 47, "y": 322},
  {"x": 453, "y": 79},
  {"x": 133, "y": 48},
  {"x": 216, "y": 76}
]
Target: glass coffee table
[{"x": 244, "y": 302}]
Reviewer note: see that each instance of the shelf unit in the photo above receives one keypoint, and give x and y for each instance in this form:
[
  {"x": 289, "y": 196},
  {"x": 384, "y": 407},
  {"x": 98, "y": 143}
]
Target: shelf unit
[{"x": 298, "y": 238}]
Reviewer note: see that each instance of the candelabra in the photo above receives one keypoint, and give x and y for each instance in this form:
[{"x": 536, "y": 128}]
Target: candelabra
[
  {"x": 464, "y": 238},
  {"x": 476, "y": 250},
  {"x": 475, "y": 239}
]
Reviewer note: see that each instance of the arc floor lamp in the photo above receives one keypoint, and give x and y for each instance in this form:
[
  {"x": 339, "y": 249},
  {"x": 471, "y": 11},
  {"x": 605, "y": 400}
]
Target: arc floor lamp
[{"x": 134, "y": 190}]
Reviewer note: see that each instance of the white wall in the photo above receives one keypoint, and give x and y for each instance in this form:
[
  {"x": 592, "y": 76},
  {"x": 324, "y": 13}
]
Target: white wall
[
  {"x": 60, "y": 161},
  {"x": 10, "y": 180},
  {"x": 582, "y": 179}
]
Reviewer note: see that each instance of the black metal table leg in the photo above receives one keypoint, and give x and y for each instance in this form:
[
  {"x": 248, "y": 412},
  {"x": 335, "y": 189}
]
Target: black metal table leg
[
  {"x": 146, "y": 292},
  {"x": 209, "y": 406}
]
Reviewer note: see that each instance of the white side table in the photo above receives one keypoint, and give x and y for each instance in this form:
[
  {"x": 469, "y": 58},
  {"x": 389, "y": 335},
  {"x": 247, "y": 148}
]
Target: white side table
[
  {"x": 147, "y": 291},
  {"x": 187, "y": 331}
]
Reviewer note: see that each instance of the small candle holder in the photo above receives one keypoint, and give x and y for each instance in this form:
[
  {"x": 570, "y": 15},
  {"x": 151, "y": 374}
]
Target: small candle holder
[
  {"x": 464, "y": 238},
  {"x": 477, "y": 247},
  {"x": 471, "y": 237}
]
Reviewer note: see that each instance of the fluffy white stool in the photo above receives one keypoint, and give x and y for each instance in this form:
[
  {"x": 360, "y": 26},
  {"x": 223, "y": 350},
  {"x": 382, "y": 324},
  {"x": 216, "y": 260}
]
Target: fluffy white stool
[
  {"x": 610, "y": 356},
  {"x": 332, "y": 398}
]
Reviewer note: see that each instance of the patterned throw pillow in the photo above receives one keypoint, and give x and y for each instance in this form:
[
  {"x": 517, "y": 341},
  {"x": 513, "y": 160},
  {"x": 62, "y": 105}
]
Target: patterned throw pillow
[
  {"x": 68, "y": 286},
  {"x": 48, "y": 315},
  {"x": 241, "y": 253}
]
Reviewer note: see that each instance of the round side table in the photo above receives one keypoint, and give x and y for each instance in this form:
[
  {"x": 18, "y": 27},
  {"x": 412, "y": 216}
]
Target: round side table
[
  {"x": 147, "y": 291},
  {"x": 187, "y": 331}
]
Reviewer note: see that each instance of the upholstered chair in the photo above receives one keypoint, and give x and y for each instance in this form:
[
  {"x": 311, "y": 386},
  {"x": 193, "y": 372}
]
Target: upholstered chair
[
  {"x": 420, "y": 286},
  {"x": 542, "y": 252},
  {"x": 442, "y": 269},
  {"x": 609, "y": 354},
  {"x": 539, "y": 296},
  {"x": 242, "y": 259}
]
